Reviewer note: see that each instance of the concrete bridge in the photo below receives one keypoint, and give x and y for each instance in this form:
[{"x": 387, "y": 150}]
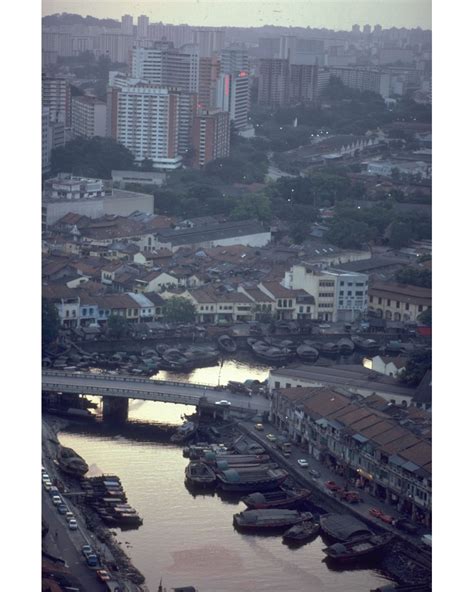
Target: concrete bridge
[{"x": 118, "y": 389}]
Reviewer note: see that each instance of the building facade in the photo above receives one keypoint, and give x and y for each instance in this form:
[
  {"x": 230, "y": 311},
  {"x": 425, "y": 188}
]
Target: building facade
[
  {"x": 88, "y": 117},
  {"x": 273, "y": 82},
  {"x": 210, "y": 136}
]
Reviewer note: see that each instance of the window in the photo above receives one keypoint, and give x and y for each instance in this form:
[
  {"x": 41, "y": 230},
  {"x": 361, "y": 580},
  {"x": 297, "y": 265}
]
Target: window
[
  {"x": 84, "y": 312},
  {"x": 288, "y": 385},
  {"x": 420, "y": 308},
  {"x": 380, "y": 300},
  {"x": 349, "y": 293},
  {"x": 359, "y": 293},
  {"x": 389, "y": 302},
  {"x": 407, "y": 306},
  {"x": 398, "y": 304},
  {"x": 277, "y": 384},
  {"x": 371, "y": 299},
  {"x": 342, "y": 283}
]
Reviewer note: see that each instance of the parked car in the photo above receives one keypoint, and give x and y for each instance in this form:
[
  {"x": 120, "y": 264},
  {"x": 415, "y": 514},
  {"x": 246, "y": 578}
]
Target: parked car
[
  {"x": 86, "y": 550},
  {"x": 72, "y": 524},
  {"x": 303, "y": 463},
  {"x": 271, "y": 437},
  {"x": 69, "y": 515},
  {"x": 103, "y": 575},
  {"x": 223, "y": 402},
  {"x": 45, "y": 476},
  {"x": 259, "y": 427},
  {"x": 62, "y": 509},
  {"x": 332, "y": 486},
  {"x": 315, "y": 474}
]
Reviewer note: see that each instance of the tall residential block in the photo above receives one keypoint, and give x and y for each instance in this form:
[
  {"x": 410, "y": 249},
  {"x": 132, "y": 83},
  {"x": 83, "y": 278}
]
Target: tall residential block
[
  {"x": 232, "y": 95},
  {"x": 88, "y": 117},
  {"x": 56, "y": 96},
  {"x": 209, "y": 41},
  {"x": 210, "y": 136},
  {"x": 273, "y": 82},
  {"x": 234, "y": 59},
  {"x": 209, "y": 70},
  {"x": 151, "y": 120},
  {"x": 163, "y": 64},
  {"x": 127, "y": 24},
  {"x": 142, "y": 26},
  {"x": 306, "y": 83}
]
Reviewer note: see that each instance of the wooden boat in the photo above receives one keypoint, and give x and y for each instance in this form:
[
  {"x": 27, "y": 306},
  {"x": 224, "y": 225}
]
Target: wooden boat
[
  {"x": 365, "y": 345},
  {"x": 346, "y": 346},
  {"x": 198, "y": 473},
  {"x": 260, "y": 478},
  {"x": 301, "y": 532},
  {"x": 184, "y": 432},
  {"x": 269, "y": 519},
  {"x": 328, "y": 349},
  {"x": 227, "y": 344},
  {"x": 275, "y": 499},
  {"x": 360, "y": 548},
  {"x": 343, "y": 527},
  {"x": 306, "y": 353}
]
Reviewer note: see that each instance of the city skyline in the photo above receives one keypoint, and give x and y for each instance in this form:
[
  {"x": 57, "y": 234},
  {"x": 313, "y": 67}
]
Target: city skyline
[{"x": 331, "y": 14}]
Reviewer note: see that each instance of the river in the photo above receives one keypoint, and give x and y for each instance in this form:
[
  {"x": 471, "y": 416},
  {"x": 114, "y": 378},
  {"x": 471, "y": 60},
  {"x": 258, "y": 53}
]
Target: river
[{"x": 190, "y": 540}]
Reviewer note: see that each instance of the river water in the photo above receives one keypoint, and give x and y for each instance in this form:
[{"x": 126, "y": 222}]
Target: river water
[{"x": 189, "y": 539}]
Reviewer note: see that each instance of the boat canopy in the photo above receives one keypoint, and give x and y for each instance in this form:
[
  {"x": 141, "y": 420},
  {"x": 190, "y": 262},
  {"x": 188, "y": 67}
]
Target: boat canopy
[{"x": 231, "y": 475}]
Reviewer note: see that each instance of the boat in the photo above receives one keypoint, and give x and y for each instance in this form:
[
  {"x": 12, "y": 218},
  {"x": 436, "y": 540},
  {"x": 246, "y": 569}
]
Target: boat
[
  {"x": 270, "y": 353},
  {"x": 226, "y": 461},
  {"x": 365, "y": 345},
  {"x": 302, "y": 532},
  {"x": 261, "y": 478},
  {"x": 199, "y": 473},
  {"x": 306, "y": 353},
  {"x": 70, "y": 462},
  {"x": 227, "y": 344},
  {"x": 346, "y": 346},
  {"x": 328, "y": 349},
  {"x": 343, "y": 527},
  {"x": 275, "y": 499},
  {"x": 361, "y": 548},
  {"x": 268, "y": 519},
  {"x": 184, "y": 432},
  {"x": 174, "y": 359},
  {"x": 394, "y": 347}
]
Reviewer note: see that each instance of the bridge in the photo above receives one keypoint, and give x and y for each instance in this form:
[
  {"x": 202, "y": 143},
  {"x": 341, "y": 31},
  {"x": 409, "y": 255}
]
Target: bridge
[{"x": 116, "y": 390}]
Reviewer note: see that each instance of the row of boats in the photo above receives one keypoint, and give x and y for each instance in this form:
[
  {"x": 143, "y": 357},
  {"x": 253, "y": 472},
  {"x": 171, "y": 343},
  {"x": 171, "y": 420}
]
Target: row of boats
[
  {"x": 281, "y": 351},
  {"x": 272, "y": 506},
  {"x": 106, "y": 496}
]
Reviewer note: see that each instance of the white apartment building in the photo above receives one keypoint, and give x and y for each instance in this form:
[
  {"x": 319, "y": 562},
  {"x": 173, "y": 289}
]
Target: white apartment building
[
  {"x": 209, "y": 41},
  {"x": 234, "y": 59},
  {"x": 56, "y": 96},
  {"x": 152, "y": 121},
  {"x": 142, "y": 26},
  {"x": 339, "y": 295},
  {"x": 127, "y": 24},
  {"x": 88, "y": 117},
  {"x": 163, "y": 64}
]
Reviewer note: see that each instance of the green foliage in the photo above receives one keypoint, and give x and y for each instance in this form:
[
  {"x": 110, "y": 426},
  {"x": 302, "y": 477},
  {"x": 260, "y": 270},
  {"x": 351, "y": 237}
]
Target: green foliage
[
  {"x": 417, "y": 366},
  {"x": 50, "y": 322},
  {"x": 147, "y": 165},
  {"x": 117, "y": 326},
  {"x": 95, "y": 157},
  {"x": 299, "y": 232},
  {"x": 414, "y": 276},
  {"x": 179, "y": 310},
  {"x": 252, "y": 207},
  {"x": 350, "y": 234},
  {"x": 425, "y": 317}
]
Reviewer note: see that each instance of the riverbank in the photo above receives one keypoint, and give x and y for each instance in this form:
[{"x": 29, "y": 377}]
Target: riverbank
[{"x": 112, "y": 554}]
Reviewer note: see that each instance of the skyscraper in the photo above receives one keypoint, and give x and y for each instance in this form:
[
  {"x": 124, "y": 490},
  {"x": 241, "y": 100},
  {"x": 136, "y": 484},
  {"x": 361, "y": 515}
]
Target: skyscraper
[
  {"x": 209, "y": 69},
  {"x": 232, "y": 95},
  {"x": 273, "y": 82},
  {"x": 163, "y": 64},
  {"x": 142, "y": 26},
  {"x": 127, "y": 24},
  {"x": 210, "y": 136},
  {"x": 56, "y": 96},
  {"x": 151, "y": 120},
  {"x": 209, "y": 41}
]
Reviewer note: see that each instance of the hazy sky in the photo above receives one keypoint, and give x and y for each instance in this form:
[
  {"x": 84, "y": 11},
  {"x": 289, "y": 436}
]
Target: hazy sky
[{"x": 332, "y": 14}]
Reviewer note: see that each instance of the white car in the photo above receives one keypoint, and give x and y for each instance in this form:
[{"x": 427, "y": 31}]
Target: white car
[
  {"x": 303, "y": 463},
  {"x": 72, "y": 524},
  {"x": 223, "y": 402},
  {"x": 271, "y": 437},
  {"x": 56, "y": 499}
]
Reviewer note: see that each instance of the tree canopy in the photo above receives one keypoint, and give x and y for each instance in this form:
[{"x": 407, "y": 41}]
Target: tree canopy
[
  {"x": 94, "y": 157},
  {"x": 50, "y": 322},
  {"x": 117, "y": 326},
  {"x": 179, "y": 310}
]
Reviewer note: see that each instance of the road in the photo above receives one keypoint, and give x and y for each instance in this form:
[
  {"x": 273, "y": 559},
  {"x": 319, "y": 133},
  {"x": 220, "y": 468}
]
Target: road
[{"x": 67, "y": 545}]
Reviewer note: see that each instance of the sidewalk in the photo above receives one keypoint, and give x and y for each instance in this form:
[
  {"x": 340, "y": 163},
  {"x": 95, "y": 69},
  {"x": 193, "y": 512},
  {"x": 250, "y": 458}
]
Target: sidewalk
[{"x": 359, "y": 509}]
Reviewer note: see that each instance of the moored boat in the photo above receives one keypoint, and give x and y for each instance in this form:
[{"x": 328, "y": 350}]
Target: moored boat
[
  {"x": 328, "y": 349},
  {"x": 301, "y": 532},
  {"x": 198, "y": 473},
  {"x": 365, "y": 345},
  {"x": 184, "y": 432},
  {"x": 269, "y": 519},
  {"x": 227, "y": 344},
  {"x": 343, "y": 527},
  {"x": 361, "y": 548},
  {"x": 306, "y": 353},
  {"x": 283, "y": 498},
  {"x": 261, "y": 478},
  {"x": 346, "y": 346}
]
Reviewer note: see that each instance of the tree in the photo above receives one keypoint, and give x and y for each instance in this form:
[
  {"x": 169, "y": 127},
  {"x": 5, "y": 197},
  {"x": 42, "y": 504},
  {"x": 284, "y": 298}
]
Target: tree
[
  {"x": 300, "y": 232},
  {"x": 179, "y": 310},
  {"x": 50, "y": 323},
  {"x": 349, "y": 234},
  {"x": 425, "y": 317},
  {"x": 147, "y": 165},
  {"x": 400, "y": 235},
  {"x": 418, "y": 364},
  {"x": 256, "y": 207},
  {"x": 94, "y": 157},
  {"x": 414, "y": 277},
  {"x": 117, "y": 326}
]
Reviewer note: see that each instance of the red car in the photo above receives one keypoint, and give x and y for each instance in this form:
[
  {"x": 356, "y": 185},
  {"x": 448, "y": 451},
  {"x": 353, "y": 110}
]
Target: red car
[
  {"x": 351, "y": 496},
  {"x": 103, "y": 575},
  {"x": 386, "y": 518},
  {"x": 375, "y": 512},
  {"x": 332, "y": 486}
]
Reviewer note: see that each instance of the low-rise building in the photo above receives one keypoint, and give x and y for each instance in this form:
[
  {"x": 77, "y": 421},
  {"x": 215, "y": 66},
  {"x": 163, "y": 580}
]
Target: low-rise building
[
  {"x": 361, "y": 442},
  {"x": 388, "y": 365},
  {"x": 213, "y": 306},
  {"x": 398, "y": 302}
]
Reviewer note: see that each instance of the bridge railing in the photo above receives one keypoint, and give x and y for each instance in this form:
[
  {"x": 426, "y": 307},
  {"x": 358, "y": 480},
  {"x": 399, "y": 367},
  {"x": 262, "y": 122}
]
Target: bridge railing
[{"x": 127, "y": 378}]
